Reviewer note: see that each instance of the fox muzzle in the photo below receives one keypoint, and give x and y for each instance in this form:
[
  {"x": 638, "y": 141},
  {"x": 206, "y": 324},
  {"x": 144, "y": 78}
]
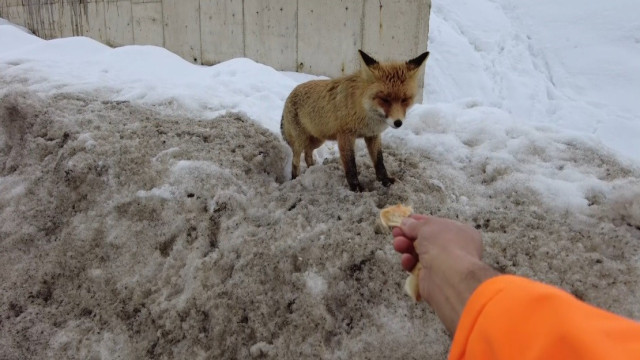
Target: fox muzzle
[{"x": 394, "y": 123}]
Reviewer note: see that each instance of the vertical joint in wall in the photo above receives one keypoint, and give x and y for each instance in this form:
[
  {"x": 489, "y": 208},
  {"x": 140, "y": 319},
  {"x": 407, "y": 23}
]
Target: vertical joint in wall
[
  {"x": 298, "y": 68},
  {"x": 244, "y": 31},
  {"x": 362, "y": 18}
]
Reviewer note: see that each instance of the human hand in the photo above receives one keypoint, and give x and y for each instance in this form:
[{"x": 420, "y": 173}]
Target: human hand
[{"x": 451, "y": 257}]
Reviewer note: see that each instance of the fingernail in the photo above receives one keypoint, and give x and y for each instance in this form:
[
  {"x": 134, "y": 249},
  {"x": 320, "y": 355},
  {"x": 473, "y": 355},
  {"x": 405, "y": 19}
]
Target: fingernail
[{"x": 407, "y": 221}]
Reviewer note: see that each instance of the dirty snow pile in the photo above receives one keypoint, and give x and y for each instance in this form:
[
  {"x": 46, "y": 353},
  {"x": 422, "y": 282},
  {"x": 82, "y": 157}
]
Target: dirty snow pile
[{"x": 146, "y": 211}]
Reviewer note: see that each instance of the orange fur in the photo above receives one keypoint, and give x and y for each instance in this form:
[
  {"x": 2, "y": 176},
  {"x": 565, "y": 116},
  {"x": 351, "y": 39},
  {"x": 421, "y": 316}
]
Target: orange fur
[{"x": 360, "y": 105}]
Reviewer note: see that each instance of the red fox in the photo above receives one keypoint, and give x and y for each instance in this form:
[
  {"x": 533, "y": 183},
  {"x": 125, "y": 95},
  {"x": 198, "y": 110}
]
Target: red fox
[{"x": 360, "y": 105}]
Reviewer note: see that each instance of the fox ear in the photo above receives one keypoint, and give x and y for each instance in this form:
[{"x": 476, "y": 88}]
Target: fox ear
[
  {"x": 415, "y": 63},
  {"x": 368, "y": 60}
]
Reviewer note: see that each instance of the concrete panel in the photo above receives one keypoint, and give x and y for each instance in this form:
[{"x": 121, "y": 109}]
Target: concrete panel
[
  {"x": 67, "y": 27},
  {"x": 9, "y": 3},
  {"x": 391, "y": 28},
  {"x": 222, "y": 34},
  {"x": 86, "y": 18},
  {"x": 42, "y": 19},
  {"x": 56, "y": 22},
  {"x": 92, "y": 19},
  {"x": 270, "y": 32},
  {"x": 119, "y": 21},
  {"x": 329, "y": 36},
  {"x": 5, "y": 4},
  {"x": 320, "y": 37},
  {"x": 147, "y": 23},
  {"x": 424, "y": 9},
  {"x": 396, "y": 30},
  {"x": 76, "y": 12},
  {"x": 182, "y": 28},
  {"x": 16, "y": 14}
]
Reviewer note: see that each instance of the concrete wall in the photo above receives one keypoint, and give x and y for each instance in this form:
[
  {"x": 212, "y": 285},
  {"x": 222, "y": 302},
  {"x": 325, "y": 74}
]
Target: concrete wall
[{"x": 314, "y": 36}]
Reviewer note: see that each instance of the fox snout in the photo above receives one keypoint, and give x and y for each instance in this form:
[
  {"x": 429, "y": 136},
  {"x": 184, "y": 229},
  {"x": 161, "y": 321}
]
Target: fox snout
[
  {"x": 393, "y": 117},
  {"x": 393, "y": 111},
  {"x": 394, "y": 123}
]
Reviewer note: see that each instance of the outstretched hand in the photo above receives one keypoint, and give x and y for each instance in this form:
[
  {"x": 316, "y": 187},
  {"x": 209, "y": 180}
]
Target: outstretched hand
[{"x": 451, "y": 257}]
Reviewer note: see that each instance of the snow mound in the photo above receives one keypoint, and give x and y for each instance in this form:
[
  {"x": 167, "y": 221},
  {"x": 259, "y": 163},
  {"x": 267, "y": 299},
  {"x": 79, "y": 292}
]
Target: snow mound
[{"x": 133, "y": 233}]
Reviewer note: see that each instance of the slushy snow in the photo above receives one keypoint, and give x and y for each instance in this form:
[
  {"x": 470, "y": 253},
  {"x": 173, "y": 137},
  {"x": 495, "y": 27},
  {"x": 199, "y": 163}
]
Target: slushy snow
[{"x": 145, "y": 207}]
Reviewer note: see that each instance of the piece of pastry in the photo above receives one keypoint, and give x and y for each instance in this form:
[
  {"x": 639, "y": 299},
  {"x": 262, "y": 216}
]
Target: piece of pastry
[{"x": 391, "y": 217}]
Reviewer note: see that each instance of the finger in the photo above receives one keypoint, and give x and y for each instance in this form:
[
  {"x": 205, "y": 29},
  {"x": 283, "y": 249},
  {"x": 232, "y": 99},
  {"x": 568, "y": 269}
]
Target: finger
[
  {"x": 408, "y": 261},
  {"x": 403, "y": 245},
  {"x": 397, "y": 232},
  {"x": 410, "y": 226}
]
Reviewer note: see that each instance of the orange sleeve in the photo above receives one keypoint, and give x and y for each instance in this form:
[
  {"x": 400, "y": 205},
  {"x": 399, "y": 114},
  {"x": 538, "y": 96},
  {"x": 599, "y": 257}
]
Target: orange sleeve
[{"x": 510, "y": 317}]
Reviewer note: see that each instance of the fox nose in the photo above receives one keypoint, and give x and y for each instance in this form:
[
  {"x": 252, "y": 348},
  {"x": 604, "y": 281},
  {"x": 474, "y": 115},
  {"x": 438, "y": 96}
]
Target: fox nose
[{"x": 397, "y": 123}]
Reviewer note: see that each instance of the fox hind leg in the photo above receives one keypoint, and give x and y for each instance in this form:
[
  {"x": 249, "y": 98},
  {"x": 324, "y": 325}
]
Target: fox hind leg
[
  {"x": 290, "y": 139},
  {"x": 307, "y": 144},
  {"x": 295, "y": 163},
  {"x": 312, "y": 144}
]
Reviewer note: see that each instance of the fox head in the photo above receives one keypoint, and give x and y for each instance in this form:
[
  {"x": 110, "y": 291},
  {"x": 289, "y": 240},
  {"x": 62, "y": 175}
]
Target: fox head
[{"x": 391, "y": 87}]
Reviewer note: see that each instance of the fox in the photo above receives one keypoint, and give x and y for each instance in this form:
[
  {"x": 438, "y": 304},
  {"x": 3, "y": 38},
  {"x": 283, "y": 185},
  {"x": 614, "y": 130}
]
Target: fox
[{"x": 360, "y": 105}]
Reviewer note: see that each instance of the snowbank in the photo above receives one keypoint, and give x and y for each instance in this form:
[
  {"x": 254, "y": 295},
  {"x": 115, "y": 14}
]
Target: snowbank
[{"x": 138, "y": 234}]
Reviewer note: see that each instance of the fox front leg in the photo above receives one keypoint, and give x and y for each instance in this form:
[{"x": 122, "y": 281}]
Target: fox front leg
[
  {"x": 374, "y": 145},
  {"x": 346, "y": 146}
]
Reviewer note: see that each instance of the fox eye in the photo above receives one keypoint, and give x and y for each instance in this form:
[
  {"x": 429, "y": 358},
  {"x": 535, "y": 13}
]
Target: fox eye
[
  {"x": 405, "y": 101},
  {"x": 385, "y": 100}
]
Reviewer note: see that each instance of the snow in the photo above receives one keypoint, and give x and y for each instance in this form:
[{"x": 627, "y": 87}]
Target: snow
[
  {"x": 4, "y": 22},
  {"x": 572, "y": 64},
  {"x": 541, "y": 64},
  {"x": 315, "y": 283},
  {"x": 145, "y": 74},
  {"x": 486, "y": 82},
  {"x": 494, "y": 89},
  {"x": 529, "y": 129}
]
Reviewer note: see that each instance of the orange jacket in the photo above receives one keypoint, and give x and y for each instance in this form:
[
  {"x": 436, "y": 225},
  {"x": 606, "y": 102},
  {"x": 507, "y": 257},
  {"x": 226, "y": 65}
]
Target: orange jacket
[{"x": 509, "y": 317}]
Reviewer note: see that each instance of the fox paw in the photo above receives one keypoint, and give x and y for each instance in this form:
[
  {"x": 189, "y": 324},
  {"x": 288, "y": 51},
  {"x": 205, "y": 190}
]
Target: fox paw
[
  {"x": 386, "y": 182},
  {"x": 356, "y": 187}
]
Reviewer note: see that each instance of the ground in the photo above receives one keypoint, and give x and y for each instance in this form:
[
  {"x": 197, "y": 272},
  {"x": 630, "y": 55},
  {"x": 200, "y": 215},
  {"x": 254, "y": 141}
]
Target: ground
[{"x": 129, "y": 233}]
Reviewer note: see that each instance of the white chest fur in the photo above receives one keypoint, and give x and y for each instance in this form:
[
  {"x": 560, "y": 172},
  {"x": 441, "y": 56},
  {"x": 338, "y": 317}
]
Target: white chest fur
[{"x": 374, "y": 124}]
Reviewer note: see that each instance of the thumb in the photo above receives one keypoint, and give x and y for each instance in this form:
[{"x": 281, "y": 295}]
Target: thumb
[{"x": 410, "y": 226}]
